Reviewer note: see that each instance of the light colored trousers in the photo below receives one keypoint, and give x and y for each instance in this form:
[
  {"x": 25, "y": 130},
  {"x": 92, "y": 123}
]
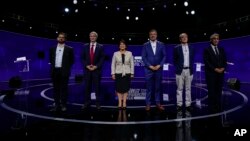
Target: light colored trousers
[{"x": 184, "y": 79}]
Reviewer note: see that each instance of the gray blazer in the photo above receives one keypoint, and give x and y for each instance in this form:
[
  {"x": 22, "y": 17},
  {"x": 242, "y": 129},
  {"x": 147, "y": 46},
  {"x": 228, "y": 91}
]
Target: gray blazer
[{"x": 118, "y": 68}]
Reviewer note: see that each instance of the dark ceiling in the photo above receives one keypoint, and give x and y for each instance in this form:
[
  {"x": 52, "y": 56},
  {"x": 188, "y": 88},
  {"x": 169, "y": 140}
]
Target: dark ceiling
[{"x": 93, "y": 15}]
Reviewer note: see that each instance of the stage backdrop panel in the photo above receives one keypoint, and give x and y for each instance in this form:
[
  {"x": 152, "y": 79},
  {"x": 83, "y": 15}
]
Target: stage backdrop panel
[{"x": 36, "y": 50}]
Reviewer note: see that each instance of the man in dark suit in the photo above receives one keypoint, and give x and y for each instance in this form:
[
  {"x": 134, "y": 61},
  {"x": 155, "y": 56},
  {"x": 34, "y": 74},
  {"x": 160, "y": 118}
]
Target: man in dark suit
[
  {"x": 183, "y": 62},
  {"x": 61, "y": 60},
  {"x": 153, "y": 56},
  {"x": 92, "y": 58},
  {"x": 215, "y": 63}
]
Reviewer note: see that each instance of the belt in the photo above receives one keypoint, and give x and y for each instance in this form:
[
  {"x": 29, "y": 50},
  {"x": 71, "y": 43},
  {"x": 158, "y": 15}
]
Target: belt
[
  {"x": 58, "y": 68},
  {"x": 186, "y": 68}
]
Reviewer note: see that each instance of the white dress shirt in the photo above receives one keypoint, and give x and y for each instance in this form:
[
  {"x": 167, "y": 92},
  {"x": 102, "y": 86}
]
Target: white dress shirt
[
  {"x": 153, "y": 44},
  {"x": 59, "y": 55},
  {"x": 185, "y": 55}
]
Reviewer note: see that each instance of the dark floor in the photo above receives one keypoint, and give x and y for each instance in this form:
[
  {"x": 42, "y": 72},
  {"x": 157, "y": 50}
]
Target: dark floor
[{"x": 26, "y": 115}]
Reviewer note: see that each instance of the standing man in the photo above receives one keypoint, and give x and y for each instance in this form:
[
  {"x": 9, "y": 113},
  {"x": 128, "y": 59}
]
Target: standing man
[
  {"x": 183, "y": 62},
  {"x": 215, "y": 63},
  {"x": 61, "y": 60},
  {"x": 153, "y": 56},
  {"x": 92, "y": 58}
]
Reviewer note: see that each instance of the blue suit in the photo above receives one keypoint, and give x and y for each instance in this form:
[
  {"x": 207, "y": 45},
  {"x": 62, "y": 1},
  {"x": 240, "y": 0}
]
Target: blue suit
[{"x": 153, "y": 78}]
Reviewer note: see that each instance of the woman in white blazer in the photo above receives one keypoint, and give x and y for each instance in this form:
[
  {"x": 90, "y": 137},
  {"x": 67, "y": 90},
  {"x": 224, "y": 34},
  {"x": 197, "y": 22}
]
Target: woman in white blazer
[{"x": 122, "y": 70}]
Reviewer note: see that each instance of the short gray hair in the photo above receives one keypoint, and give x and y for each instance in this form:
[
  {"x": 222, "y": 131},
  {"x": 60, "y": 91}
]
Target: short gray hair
[
  {"x": 214, "y": 36},
  {"x": 93, "y": 32}
]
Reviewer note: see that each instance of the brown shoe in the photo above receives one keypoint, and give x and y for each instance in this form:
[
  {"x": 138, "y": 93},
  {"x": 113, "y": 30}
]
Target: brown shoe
[
  {"x": 160, "y": 107},
  {"x": 147, "y": 108}
]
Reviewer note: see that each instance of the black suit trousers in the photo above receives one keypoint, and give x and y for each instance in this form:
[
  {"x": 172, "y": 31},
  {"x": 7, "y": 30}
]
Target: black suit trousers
[
  {"x": 92, "y": 79},
  {"x": 60, "y": 84},
  {"x": 215, "y": 83}
]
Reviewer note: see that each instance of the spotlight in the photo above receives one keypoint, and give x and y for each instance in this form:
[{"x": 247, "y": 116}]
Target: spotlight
[
  {"x": 192, "y": 12},
  {"x": 74, "y": 1},
  {"x": 15, "y": 82},
  {"x": 233, "y": 83},
  {"x": 41, "y": 54},
  {"x": 185, "y": 3},
  {"x": 66, "y": 10}
]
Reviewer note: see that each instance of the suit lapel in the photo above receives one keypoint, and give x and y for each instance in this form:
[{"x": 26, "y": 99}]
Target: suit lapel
[
  {"x": 96, "y": 50},
  {"x": 180, "y": 50},
  {"x": 88, "y": 51},
  {"x": 157, "y": 48},
  {"x": 54, "y": 55},
  {"x": 64, "y": 52},
  {"x": 150, "y": 47},
  {"x": 211, "y": 50}
]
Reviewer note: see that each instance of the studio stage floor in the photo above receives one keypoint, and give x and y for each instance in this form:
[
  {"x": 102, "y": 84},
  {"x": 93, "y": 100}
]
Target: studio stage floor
[{"x": 26, "y": 115}]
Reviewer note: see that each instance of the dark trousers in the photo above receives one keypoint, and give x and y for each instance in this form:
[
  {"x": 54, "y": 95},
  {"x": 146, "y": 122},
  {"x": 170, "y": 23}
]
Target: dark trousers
[
  {"x": 92, "y": 78},
  {"x": 214, "y": 85},
  {"x": 60, "y": 84}
]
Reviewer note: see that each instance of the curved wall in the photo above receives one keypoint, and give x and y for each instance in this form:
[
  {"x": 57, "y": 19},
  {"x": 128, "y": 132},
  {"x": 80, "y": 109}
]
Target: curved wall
[{"x": 13, "y": 45}]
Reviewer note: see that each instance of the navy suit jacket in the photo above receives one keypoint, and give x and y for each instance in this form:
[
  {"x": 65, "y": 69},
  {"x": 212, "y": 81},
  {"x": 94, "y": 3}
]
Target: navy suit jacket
[
  {"x": 67, "y": 60},
  {"x": 99, "y": 56},
  {"x": 151, "y": 59},
  {"x": 212, "y": 61},
  {"x": 179, "y": 59}
]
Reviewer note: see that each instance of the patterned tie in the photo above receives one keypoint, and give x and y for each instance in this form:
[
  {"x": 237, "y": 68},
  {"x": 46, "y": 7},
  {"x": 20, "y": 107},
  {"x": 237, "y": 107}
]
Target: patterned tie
[{"x": 92, "y": 54}]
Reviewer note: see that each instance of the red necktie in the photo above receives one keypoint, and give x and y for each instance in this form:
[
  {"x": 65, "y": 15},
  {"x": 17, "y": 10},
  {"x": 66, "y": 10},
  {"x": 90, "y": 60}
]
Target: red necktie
[{"x": 92, "y": 54}]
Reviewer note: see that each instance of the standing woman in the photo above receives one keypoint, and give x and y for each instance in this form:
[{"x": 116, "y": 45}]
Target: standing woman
[{"x": 122, "y": 70}]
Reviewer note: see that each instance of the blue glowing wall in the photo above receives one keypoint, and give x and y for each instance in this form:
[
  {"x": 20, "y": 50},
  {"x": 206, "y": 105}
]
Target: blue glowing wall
[{"x": 36, "y": 49}]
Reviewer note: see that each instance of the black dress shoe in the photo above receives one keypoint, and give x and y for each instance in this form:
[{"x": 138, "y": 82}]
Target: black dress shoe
[
  {"x": 98, "y": 107},
  {"x": 178, "y": 108},
  {"x": 147, "y": 108},
  {"x": 54, "y": 109},
  {"x": 85, "y": 106},
  {"x": 189, "y": 108},
  {"x": 63, "y": 109},
  {"x": 160, "y": 107}
]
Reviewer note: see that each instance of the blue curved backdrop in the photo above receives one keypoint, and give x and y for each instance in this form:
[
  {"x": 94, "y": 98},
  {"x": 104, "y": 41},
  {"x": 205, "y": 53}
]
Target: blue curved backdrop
[{"x": 13, "y": 45}]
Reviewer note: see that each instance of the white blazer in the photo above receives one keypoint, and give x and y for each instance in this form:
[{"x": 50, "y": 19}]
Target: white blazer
[{"x": 118, "y": 68}]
